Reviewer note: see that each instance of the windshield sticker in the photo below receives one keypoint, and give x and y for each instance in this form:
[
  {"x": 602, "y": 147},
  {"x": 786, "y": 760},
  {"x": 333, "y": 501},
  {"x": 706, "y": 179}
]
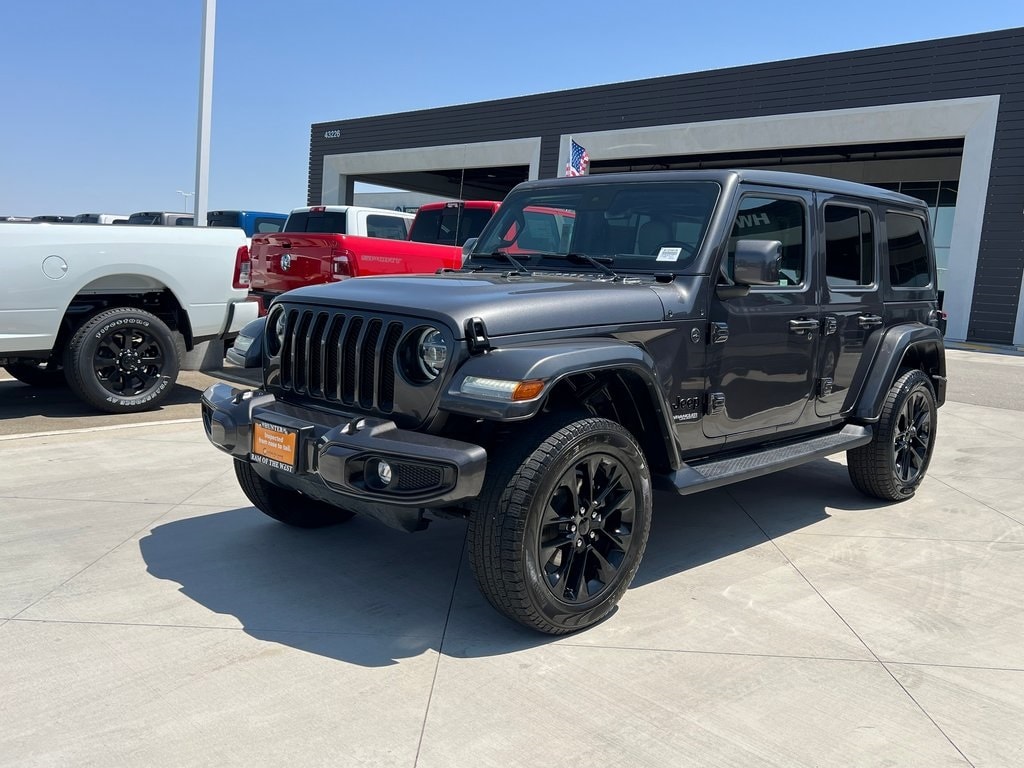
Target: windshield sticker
[{"x": 669, "y": 254}]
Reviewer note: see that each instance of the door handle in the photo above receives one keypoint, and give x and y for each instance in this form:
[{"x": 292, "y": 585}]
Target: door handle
[
  {"x": 869, "y": 321},
  {"x": 803, "y": 326}
]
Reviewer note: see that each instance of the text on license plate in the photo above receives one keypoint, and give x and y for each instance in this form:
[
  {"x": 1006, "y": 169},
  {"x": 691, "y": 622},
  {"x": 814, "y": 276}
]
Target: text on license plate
[{"x": 274, "y": 445}]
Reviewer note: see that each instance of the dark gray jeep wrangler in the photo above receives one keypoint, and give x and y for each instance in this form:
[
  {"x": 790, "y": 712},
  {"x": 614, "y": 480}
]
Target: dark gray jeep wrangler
[{"x": 608, "y": 335}]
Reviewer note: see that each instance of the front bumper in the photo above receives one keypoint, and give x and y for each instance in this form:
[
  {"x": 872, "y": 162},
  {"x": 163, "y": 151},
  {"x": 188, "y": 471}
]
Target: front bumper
[{"x": 336, "y": 456}]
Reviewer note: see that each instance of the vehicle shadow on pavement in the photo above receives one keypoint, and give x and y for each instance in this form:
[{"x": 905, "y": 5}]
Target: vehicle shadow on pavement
[
  {"x": 19, "y": 401},
  {"x": 365, "y": 594}
]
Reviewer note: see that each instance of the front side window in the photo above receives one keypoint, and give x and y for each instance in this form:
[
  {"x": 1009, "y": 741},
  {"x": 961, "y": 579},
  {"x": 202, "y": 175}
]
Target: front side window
[
  {"x": 849, "y": 247},
  {"x": 773, "y": 218},
  {"x": 908, "y": 251}
]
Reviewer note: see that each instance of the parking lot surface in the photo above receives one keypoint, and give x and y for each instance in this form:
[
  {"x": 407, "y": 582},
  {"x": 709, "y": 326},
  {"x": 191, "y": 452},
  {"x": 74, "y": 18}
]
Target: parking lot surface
[{"x": 150, "y": 616}]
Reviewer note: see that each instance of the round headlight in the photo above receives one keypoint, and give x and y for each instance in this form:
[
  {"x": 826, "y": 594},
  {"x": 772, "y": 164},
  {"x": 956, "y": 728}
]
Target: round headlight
[
  {"x": 276, "y": 326},
  {"x": 432, "y": 351}
]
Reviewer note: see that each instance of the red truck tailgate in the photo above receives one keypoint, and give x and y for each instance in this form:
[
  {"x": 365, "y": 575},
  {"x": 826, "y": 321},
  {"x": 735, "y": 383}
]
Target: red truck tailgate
[{"x": 287, "y": 260}]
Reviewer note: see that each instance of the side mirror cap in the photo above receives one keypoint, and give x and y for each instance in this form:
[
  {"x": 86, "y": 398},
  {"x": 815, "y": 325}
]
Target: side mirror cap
[{"x": 757, "y": 262}]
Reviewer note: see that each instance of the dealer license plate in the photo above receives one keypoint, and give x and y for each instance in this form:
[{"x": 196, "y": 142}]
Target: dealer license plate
[{"x": 274, "y": 445}]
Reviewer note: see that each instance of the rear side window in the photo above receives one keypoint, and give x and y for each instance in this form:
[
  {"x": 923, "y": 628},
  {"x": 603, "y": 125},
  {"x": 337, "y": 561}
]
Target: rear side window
[
  {"x": 908, "y": 251},
  {"x": 263, "y": 226},
  {"x": 390, "y": 227},
  {"x": 769, "y": 218},
  {"x": 849, "y": 247}
]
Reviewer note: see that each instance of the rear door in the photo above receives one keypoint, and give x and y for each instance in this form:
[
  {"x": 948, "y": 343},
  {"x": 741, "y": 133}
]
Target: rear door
[{"x": 851, "y": 297}]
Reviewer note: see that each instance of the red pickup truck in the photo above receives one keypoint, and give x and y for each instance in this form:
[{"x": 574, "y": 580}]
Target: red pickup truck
[{"x": 321, "y": 244}]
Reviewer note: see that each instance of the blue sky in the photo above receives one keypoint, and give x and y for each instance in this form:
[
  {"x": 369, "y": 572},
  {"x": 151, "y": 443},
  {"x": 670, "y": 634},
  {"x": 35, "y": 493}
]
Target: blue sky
[{"x": 100, "y": 99}]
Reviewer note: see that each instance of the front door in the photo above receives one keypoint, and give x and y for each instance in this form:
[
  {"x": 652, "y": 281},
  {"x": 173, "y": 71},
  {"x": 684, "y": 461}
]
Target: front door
[{"x": 763, "y": 346}]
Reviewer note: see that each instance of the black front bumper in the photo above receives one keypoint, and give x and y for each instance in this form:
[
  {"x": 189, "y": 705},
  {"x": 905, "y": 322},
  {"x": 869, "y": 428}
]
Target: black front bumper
[{"x": 337, "y": 456}]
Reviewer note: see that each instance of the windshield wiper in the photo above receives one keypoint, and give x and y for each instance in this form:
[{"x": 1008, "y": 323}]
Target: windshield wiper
[
  {"x": 594, "y": 261},
  {"x": 499, "y": 254}
]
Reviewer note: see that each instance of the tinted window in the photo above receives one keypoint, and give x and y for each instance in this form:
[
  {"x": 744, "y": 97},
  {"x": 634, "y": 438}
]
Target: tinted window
[
  {"x": 849, "y": 246},
  {"x": 390, "y": 227},
  {"x": 144, "y": 218},
  {"x": 769, "y": 218},
  {"x": 449, "y": 226},
  {"x": 268, "y": 225},
  {"x": 908, "y": 251},
  {"x": 87, "y": 218},
  {"x": 182, "y": 221},
  {"x": 222, "y": 219},
  {"x": 320, "y": 221}
]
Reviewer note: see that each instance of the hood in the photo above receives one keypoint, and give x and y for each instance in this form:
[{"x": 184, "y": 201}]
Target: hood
[{"x": 507, "y": 305}]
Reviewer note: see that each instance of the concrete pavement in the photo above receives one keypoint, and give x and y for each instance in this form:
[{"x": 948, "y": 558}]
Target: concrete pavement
[{"x": 149, "y": 616}]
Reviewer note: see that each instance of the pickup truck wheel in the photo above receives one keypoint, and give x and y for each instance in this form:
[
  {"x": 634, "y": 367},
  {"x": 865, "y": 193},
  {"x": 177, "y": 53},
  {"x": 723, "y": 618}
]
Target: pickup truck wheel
[
  {"x": 894, "y": 463},
  {"x": 123, "y": 360},
  {"x": 47, "y": 373},
  {"x": 560, "y": 527},
  {"x": 285, "y": 506}
]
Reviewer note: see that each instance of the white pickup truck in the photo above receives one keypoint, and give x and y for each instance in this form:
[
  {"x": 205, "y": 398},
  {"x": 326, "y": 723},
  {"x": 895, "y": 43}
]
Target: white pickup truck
[{"x": 111, "y": 310}]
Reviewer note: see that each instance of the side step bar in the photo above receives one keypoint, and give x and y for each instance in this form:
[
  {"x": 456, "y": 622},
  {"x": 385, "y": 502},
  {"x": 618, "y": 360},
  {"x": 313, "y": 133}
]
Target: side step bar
[{"x": 713, "y": 473}]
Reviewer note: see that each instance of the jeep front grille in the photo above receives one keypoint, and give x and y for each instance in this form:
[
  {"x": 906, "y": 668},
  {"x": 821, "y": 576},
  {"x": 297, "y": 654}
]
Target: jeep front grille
[{"x": 342, "y": 358}]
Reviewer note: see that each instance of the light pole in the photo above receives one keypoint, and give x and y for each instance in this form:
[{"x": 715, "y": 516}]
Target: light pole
[{"x": 186, "y": 195}]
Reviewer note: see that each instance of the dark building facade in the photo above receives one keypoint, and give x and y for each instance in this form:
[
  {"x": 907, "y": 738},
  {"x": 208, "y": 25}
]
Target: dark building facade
[{"x": 942, "y": 120}]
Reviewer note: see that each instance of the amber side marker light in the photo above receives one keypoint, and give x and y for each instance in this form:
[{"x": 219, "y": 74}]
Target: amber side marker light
[{"x": 502, "y": 389}]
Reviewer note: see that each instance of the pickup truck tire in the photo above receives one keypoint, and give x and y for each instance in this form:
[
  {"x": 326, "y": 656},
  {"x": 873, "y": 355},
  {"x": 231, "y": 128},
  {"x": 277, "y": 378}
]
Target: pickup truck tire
[
  {"x": 285, "y": 506},
  {"x": 46, "y": 373},
  {"x": 561, "y": 524},
  {"x": 123, "y": 360},
  {"x": 894, "y": 463}
]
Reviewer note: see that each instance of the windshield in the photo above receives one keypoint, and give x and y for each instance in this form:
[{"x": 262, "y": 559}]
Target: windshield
[
  {"x": 653, "y": 225},
  {"x": 450, "y": 225}
]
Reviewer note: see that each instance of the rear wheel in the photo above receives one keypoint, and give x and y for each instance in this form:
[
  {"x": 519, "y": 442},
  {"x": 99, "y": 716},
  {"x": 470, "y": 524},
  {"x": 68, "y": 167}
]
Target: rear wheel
[
  {"x": 286, "y": 506},
  {"x": 45, "y": 373},
  {"x": 894, "y": 463},
  {"x": 561, "y": 525},
  {"x": 123, "y": 360}
]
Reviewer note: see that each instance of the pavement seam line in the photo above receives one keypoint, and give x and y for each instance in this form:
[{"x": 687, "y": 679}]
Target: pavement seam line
[
  {"x": 78, "y": 573},
  {"x": 852, "y": 630},
  {"x": 440, "y": 650},
  {"x": 1007, "y": 515},
  {"x": 104, "y": 428},
  {"x": 1013, "y": 435}
]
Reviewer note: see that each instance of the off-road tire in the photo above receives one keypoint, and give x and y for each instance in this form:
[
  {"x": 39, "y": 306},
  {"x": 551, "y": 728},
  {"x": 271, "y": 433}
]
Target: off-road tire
[
  {"x": 45, "y": 373},
  {"x": 894, "y": 463},
  {"x": 523, "y": 487},
  {"x": 144, "y": 374},
  {"x": 284, "y": 505}
]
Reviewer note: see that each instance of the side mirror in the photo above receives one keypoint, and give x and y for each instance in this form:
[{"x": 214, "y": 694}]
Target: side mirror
[
  {"x": 757, "y": 262},
  {"x": 467, "y": 248}
]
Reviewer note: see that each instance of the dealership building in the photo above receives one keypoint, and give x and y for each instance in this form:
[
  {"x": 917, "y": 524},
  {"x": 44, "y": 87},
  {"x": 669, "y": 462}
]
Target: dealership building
[{"x": 941, "y": 120}]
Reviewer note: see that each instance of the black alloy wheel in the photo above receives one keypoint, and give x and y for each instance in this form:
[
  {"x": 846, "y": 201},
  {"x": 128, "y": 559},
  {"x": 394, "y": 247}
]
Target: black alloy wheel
[
  {"x": 586, "y": 529},
  {"x": 559, "y": 529},
  {"x": 894, "y": 463},
  {"x": 123, "y": 360},
  {"x": 912, "y": 438}
]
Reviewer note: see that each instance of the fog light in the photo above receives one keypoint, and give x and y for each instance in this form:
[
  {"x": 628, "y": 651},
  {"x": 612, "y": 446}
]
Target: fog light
[{"x": 384, "y": 473}]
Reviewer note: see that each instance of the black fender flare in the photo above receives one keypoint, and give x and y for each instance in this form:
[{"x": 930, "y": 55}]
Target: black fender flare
[
  {"x": 893, "y": 348},
  {"x": 552, "y": 362}
]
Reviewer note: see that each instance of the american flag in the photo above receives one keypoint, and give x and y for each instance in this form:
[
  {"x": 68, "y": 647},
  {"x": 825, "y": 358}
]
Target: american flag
[{"x": 578, "y": 160}]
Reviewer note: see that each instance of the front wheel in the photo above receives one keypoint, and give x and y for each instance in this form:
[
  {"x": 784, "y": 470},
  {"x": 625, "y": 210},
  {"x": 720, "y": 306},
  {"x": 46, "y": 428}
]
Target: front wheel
[
  {"x": 894, "y": 463},
  {"x": 122, "y": 360},
  {"x": 561, "y": 526},
  {"x": 284, "y": 505}
]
